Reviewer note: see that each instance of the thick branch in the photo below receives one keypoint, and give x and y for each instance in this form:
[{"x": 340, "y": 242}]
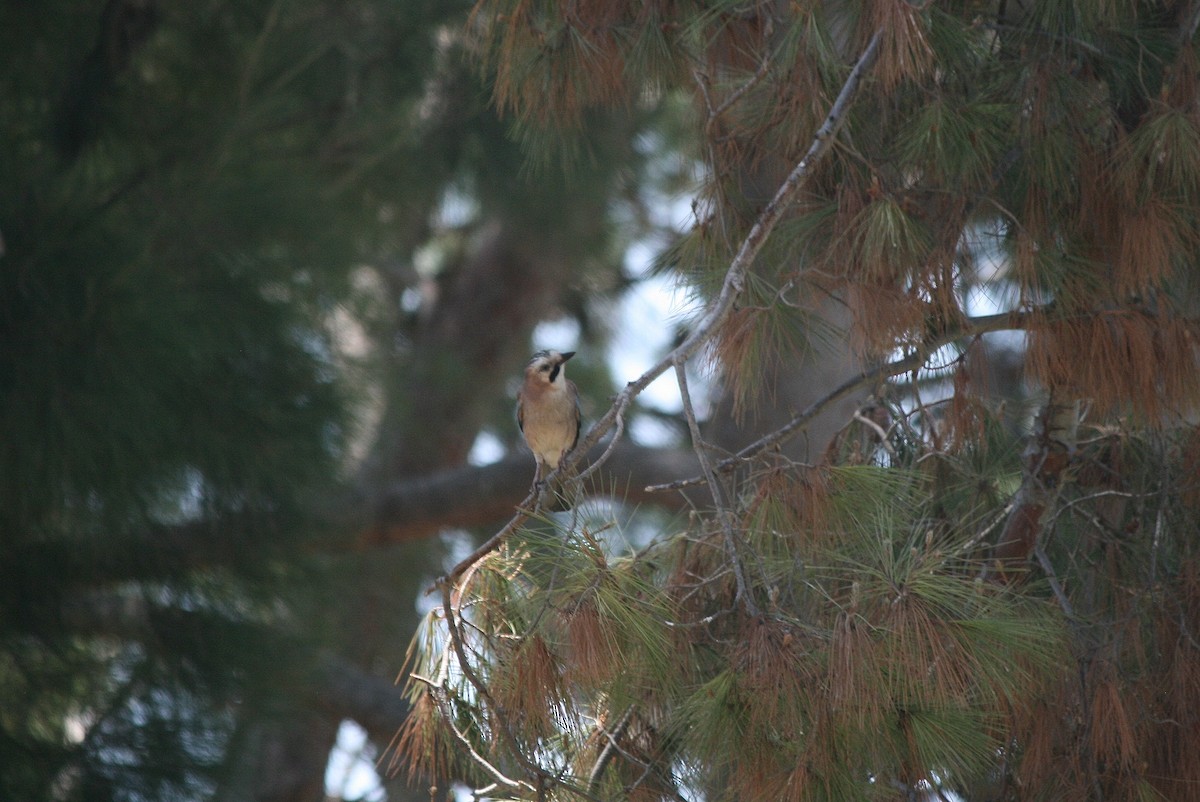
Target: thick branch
[{"x": 469, "y": 495}]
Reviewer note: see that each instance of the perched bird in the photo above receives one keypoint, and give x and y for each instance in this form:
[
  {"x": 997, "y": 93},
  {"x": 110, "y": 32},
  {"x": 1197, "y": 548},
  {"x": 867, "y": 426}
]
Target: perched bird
[{"x": 548, "y": 410}]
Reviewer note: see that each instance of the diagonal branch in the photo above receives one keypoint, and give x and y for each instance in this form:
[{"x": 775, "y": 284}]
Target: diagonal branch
[
  {"x": 454, "y": 624},
  {"x": 735, "y": 277},
  {"x": 731, "y": 289}
]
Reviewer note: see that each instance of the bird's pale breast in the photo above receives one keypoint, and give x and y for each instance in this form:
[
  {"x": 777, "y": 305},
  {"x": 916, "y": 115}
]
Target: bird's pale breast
[{"x": 549, "y": 424}]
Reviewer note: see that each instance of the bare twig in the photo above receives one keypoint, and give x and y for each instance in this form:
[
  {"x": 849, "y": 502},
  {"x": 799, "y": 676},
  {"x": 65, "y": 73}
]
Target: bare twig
[
  {"x": 723, "y": 513},
  {"x": 613, "y": 747},
  {"x": 1053, "y": 37},
  {"x": 714, "y": 112},
  {"x": 1160, "y": 517},
  {"x": 464, "y": 665},
  {"x": 1052, "y": 578},
  {"x": 616, "y": 438},
  {"x": 982, "y": 534},
  {"x": 879, "y": 432},
  {"x": 440, "y": 693},
  {"x": 1072, "y": 505}
]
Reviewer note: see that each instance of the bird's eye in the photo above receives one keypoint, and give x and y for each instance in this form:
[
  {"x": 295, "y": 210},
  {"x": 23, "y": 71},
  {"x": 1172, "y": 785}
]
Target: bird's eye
[{"x": 544, "y": 368}]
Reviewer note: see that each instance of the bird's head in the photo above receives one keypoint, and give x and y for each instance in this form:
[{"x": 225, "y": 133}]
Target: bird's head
[{"x": 547, "y": 366}]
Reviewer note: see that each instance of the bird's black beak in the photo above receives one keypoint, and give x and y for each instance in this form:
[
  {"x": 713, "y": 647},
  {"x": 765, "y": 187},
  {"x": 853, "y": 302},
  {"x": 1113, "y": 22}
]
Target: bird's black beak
[{"x": 567, "y": 355}]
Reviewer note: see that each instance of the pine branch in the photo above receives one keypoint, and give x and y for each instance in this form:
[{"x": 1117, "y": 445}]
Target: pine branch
[
  {"x": 544, "y": 777},
  {"x": 440, "y": 697},
  {"x": 731, "y": 289},
  {"x": 420, "y": 506},
  {"x": 973, "y": 327},
  {"x": 464, "y": 665},
  {"x": 718, "y": 312}
]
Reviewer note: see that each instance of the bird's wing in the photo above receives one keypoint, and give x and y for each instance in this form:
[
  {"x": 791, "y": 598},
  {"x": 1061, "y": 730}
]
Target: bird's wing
[
  {"x": 521, "y": 412},
  {"x": 578, "y": 417}
]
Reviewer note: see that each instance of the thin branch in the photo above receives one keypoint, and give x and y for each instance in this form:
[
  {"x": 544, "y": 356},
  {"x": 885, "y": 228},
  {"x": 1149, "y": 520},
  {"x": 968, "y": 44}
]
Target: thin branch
[
  {"x": 714, "y": 113},
  {"x": 1156, "y": 544},
  {"x": 1188, "y": 23},
  {"x": 613, "y": 748},
  {"x": 1052, "y": 578},
  {"x": 610, "y": 748},
  {"x": 1070, "y": 506},
  {"x": 737, "y": 94},
  {"x": 973, "y": 327},
  {"x": 464, "y": 665},
  {"x": 603, "y": 458},
  {"x": 1053, "y": 37},
  {"x": 492, "y": 543},
  {"x": 485, "y": 697},
  {"x": 879, "y": 432},
  {"x": 982, "y": 534},
  {"x": 723, "y": 513},
  {"x": 465, "y": 742},
  {"x": 703, "y": 83}
]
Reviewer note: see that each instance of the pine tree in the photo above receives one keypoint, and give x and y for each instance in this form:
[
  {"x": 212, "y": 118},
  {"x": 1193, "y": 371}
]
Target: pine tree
[
  {"x": 950, "y": 594},
  {"x": 205, "y": 205}
]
